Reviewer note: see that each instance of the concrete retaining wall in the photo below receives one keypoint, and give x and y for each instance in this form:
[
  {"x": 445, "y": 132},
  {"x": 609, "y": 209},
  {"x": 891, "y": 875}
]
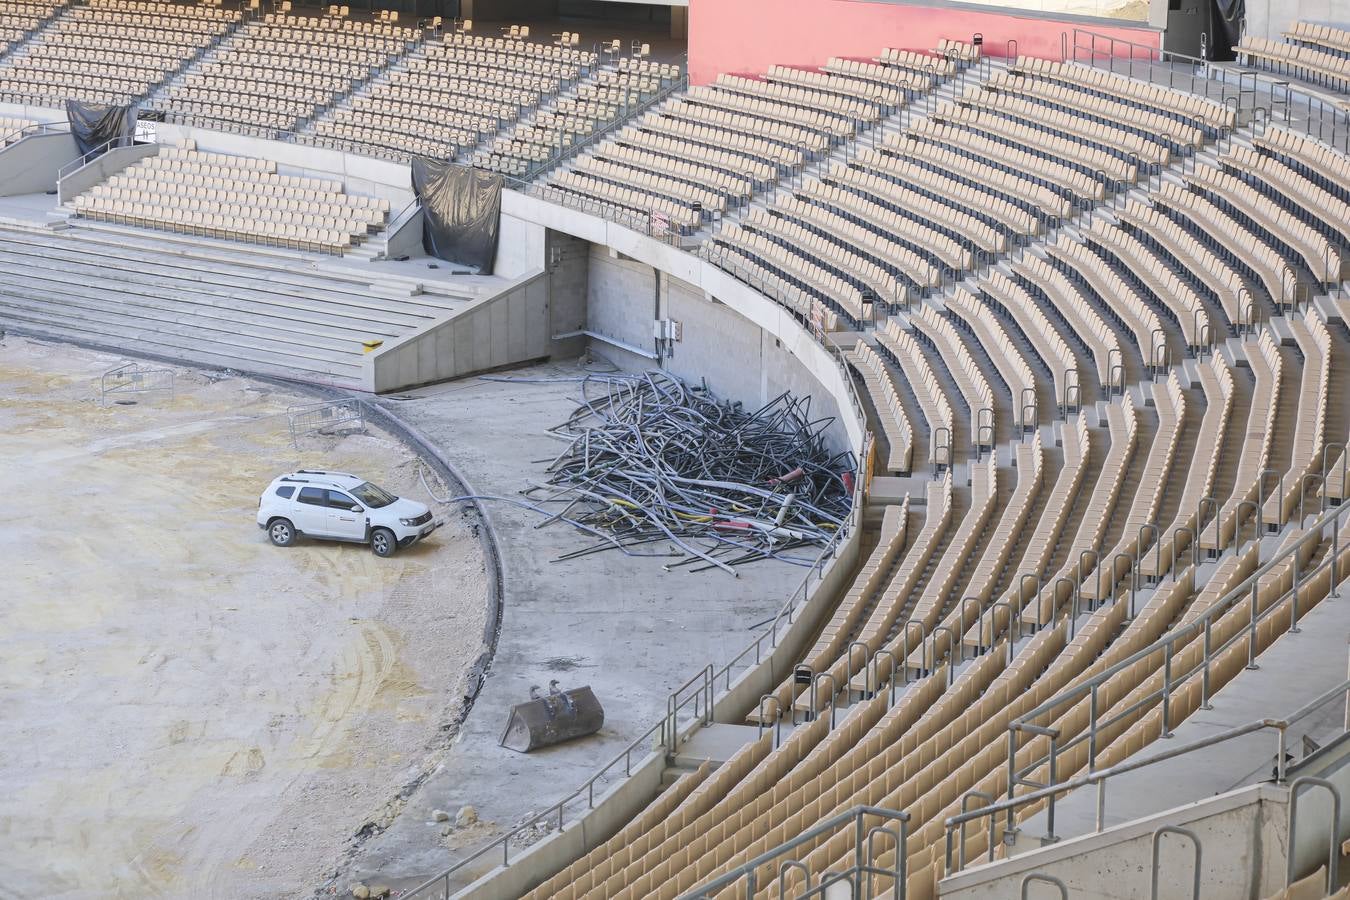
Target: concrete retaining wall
[
  {"x": 1242, "y": 835},
  {"x": 30, "y": 166},
  {"x": 510, "y": 327}
]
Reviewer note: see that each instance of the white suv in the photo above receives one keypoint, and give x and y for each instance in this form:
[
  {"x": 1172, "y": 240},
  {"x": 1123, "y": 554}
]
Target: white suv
[{"x": 341, "y": 507}]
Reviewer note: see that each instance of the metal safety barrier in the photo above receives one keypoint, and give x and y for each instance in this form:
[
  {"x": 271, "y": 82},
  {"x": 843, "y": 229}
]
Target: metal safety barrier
[
  {"x": 134, "y": 380},
  {"x": 326, "y": 418}
]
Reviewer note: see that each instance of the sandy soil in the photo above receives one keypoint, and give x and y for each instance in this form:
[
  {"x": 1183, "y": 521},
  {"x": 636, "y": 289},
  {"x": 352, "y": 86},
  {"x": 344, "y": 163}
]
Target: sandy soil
[{"x": 189, "y": 711}]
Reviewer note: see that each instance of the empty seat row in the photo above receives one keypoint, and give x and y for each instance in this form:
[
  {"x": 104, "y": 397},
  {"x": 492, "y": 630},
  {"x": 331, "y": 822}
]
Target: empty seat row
[{"x": 1305, "y": 63}]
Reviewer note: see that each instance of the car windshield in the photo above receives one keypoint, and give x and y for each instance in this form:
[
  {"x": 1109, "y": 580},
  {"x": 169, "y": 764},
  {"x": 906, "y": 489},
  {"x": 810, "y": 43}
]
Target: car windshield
[{"x": 372, "y": 495}]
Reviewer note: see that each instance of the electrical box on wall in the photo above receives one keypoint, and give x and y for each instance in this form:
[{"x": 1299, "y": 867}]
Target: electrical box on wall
[{"x": 668, "y": 330}]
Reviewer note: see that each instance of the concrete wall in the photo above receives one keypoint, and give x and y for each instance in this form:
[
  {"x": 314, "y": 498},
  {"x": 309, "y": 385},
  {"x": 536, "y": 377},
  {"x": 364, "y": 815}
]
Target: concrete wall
[
  {"x": 520, "y": 247},
  {"x": 103, "y": 168},
  {"x": 31, "y": 165},
  {"x": 1242, "y": 835},
  {"x": 509, "y": 327},
  {"x": 749, "y": 36},
  {"x": 1268, "y": 18}
]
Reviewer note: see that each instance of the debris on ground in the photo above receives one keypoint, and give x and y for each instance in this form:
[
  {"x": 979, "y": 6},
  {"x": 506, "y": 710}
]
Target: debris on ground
[{"x": 654, "y": 462}]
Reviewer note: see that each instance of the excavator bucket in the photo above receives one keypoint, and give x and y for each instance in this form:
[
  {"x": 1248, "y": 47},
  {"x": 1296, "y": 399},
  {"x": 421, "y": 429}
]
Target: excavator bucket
[{"x": 559, "y": 716}]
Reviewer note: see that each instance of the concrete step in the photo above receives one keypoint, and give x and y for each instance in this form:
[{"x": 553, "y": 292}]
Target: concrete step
[{"x": 72, "y": 325}]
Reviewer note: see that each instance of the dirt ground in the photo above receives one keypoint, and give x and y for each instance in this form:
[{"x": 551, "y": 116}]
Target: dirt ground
[{"x": 188, "y": 710}]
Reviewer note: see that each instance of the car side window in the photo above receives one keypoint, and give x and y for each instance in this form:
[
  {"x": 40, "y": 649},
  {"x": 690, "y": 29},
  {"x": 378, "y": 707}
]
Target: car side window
[
  {"x": 314, "y": 496},
  {"x": 286, "y": 491},
  {"x": 339, "y": 500}
]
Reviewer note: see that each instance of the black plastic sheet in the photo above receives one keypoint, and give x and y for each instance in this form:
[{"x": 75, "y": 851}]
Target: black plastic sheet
[
  {"x": 1227, "y": 30},
  {"x": 461, "y": 212},
  {"x": 93, "y": 127}
]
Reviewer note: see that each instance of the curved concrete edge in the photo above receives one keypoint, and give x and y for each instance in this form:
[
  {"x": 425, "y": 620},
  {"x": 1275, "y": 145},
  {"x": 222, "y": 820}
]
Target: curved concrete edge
[{"x": 423, "y": 446}]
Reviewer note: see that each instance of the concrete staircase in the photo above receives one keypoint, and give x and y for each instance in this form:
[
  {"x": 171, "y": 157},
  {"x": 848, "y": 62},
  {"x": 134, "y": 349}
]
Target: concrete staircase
[{"x": 209, "y": 303}]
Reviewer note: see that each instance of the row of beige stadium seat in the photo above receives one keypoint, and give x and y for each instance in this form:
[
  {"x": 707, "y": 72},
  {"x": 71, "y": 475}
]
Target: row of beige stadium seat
[
  {"x": 423, "y": 98},
  {"x": 1320, "y": 256},
  {"x": 1158, "y": 278},
  {"x": 970, "y": 380},
  {"x": 649, "y": 68},
  {"x": 990, "y": 334},
  {"x": 585, "y": 58},
  {"x": 950, "y": 218},
  {"x": 19, "y": 18},
  {"x": 1328, "y": 36},
  {"x": 884, "y": 96},
  {"x": 1045, "y": 338},
  {"x": 440, "y": 55},
  {"x": 330, "y": 23},
  {"x": 1079, "y": 126},
  {"x": 419, "y": 71},
  {"x": 929, "y": 241},
  {"x": 679, "y": 191},
  {"x": 1293, "y": 185},
  {"x": 739, "y": 165},
  {"x": 895, "y": 424},
  {"x": 734, "y": 187},
  {"x": 1304, "y": 63},
  {"x": 786, "y": 293},
  {"x": 963, "y": 51},
  {"x": 1212, "y": 113},
  {"x": 147, "y": 186},
  {"x": 917, "y": 61},
  {"x": 766, "y": 152},
  {"x": 786, "y": 223},
  {"x": 874, "y": 74},
  {"x": 598, "y": 100},
  {"x": 952, "y": 162},
  {"x": 638, "y": 203},
  {"x": 227, "y": 222},
  {"x": 966, "y": 193},
  {"x": 1224, "y": 282},
  {"x": 764, "y": 126},
  {"x": 826, "y": 102},
  {"x": 895, "y": 249},
  {"x": 841, "y": 296},
  {"x": 409, "y": 136},
  {"x": 816, "y": 129},
  {"x": 1094, "y": 106},
  {"x": 1022, "y": 148},
  {"x": 398, "y": 113},
  {"x": 1273, "y": 271},
  {"x": 1139, "y": 318},
  {"x": 905, "y": 351},
  {"x": 1088, "y": 324}
]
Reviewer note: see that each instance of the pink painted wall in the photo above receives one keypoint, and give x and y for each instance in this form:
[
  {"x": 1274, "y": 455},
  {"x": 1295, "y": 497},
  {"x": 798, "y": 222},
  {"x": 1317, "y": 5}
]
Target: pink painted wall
[{"x": 748, "y": 36}]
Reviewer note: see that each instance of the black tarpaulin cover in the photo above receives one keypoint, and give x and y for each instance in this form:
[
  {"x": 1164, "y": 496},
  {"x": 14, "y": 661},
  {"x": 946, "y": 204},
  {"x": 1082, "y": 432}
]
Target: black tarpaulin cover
[
  {"x": 1228, "y": 16},
  {"x": 461, "y": 212},
  {"x": 94, "y": 126}
]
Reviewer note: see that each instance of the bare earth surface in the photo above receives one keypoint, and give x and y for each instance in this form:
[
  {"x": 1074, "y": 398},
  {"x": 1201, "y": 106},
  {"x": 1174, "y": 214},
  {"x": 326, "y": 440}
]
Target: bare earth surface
[{"x": 189, "y": 711}]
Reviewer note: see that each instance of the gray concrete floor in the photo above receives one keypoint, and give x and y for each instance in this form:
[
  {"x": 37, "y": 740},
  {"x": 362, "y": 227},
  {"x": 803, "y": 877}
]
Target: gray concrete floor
[{"x": 622, "y": 625}]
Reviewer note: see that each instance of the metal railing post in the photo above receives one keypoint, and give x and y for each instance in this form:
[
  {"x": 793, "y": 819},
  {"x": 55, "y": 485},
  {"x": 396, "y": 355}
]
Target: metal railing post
[
  {"x": 1157, "y": 847},
  {"x": 1334, "y": 849}
]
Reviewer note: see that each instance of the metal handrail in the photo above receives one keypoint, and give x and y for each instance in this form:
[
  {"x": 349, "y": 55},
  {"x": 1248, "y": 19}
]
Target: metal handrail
[
  {"x": 1099, "y": 777},
  {"x": 1203, "y": 622},
  {"x": 862, "y": 839},
  {"x": 116, "y": 143}
]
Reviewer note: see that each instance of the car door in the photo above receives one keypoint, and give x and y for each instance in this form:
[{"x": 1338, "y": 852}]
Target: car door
[
  {"x": 346, "y": 517},
  {"x": 311, "y": 511}
]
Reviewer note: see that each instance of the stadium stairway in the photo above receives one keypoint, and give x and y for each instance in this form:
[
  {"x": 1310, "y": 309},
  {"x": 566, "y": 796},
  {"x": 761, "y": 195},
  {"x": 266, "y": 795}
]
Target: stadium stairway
[{"x": 235, "y": 306}]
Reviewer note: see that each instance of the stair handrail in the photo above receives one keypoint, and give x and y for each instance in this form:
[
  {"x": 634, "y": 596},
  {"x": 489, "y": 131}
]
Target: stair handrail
[{"x": 1099, "y": 777}]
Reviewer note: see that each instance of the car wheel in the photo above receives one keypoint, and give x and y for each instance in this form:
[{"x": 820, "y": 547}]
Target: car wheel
[
  {"x": 282, "y": 532},
  {"x": 382, "y": 542}
]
